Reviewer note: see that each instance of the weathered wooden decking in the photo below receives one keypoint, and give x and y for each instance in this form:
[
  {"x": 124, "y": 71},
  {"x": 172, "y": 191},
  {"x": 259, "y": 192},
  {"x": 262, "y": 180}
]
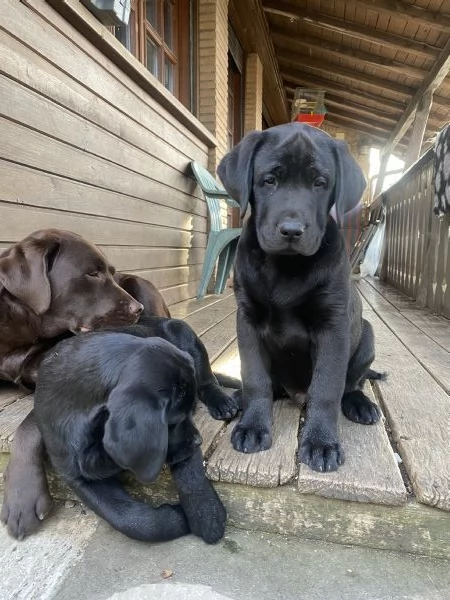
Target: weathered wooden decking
[{"x": 394, "y": 471}]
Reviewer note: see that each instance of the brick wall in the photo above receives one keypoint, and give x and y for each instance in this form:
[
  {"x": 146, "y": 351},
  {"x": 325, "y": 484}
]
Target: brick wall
[{"x": 213, "y": 73}]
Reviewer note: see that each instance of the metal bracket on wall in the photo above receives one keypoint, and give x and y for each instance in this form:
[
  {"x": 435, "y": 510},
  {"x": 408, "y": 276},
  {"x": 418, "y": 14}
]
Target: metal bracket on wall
[{"x": 110, "y": 12}]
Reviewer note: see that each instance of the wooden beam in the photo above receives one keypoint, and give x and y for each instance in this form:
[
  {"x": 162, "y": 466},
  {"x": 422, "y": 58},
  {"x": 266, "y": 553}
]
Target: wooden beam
[
  {"x": 358, "y": 128},
  {"x": 310, "y": 80},
  {"x": 389, "y": 123},
  {"x": 298, "y": 78},
  {"x": 289, "y": 59},
  {"x": 406, "y": 10},
  {"x": 419, "y": 127},
  {"x": 431, "y": 82},
  {"x": 376, "y": 127},
  {"x": 380, "y": 115},
  {"x": 384, "y": 158},
  {"x": 361, "y": 32},
  {"x": 250, "y": 24},
  {"x": 334, "y": 100},
  {"x": 291, "y": 42},
  {"x": 361, "y": 127}
]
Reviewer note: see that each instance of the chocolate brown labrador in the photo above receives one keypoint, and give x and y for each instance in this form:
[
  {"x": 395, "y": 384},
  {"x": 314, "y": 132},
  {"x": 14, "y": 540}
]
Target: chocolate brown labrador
[
  {"x": 299, "y": 320},
  {"x": 53, "y": 284}
]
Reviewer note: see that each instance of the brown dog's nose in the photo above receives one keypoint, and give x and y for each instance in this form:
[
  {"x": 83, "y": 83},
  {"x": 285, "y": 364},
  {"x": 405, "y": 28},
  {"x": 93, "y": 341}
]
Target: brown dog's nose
[
  {"x": 136, "y": 308},
  {"x": 292, "y": 230}
]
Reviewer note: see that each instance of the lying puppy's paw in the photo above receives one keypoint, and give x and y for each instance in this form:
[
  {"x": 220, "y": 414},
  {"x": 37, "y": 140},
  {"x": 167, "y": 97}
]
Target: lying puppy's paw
[
  {"x": 206, "y": 515},
  {"x": 26, "y": 502},
  {"x": 251, "y": 438},
  {"x": 376, "y": 375},
  {"x": 220, "y": 405},
  {"x": 319, "y": 453},
  {"x": 357, "y": 407}
]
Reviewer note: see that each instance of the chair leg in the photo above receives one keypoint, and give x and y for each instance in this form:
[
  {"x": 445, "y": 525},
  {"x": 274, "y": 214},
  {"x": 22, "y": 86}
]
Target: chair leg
[
  {"x": 208, "y": 266},
  {"x": 226, "y": 261},
  {"x": 217, "y": 247},
  {"x": 221, "y": 269}
]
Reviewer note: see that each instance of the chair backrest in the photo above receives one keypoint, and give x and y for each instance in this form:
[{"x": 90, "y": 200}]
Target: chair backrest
[{"x": 214, "y": 193}]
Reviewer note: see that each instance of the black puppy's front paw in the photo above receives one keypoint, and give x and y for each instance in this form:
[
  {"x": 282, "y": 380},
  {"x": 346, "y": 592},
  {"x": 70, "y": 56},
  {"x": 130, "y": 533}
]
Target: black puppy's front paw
[
  {"x": 251, "y": 438},
  {"x": 26, "y": 502},
  {"x": 221, "y": 406},
  {"x": 357, "y": 407},
  {"x": 206, "y": 515},
  {"x": 320, "y": 453}
]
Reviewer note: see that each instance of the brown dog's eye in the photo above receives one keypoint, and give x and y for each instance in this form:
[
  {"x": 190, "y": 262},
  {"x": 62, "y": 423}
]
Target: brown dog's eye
[
  {"x": 320, "y": 182},
  {"x": 269, "y": 180}
]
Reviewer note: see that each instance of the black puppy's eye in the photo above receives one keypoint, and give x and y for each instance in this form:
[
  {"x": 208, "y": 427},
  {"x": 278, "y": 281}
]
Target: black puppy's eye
[
  {"x": 93, "y": 274},
  {"x": 269, "y": 180},
  {"x": 320, "y": 182}
]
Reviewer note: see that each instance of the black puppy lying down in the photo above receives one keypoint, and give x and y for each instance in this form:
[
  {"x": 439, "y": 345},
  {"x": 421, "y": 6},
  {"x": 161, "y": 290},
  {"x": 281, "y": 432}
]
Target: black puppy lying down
[{"x": 122, "y": 400}]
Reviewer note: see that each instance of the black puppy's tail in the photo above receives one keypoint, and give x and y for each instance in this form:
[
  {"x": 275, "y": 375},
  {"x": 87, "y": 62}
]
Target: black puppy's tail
[
  {"x": 228, "y": 382},
  {"x": 375, "y": 375},
  {"x": 137, "y": 520}
]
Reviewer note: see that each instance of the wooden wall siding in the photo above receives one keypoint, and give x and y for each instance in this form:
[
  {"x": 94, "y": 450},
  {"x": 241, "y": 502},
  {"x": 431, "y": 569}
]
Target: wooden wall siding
[
  {"x": 416, "y": 259},
  {"x": 82, "y": 147}
]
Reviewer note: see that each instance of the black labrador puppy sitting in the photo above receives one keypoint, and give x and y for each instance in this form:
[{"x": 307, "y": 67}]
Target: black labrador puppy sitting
[
  {"x": 299, "y": 320},
  {"x": 122, "y": 400}
]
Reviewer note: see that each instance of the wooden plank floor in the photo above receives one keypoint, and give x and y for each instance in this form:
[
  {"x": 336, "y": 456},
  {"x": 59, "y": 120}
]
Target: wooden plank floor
[
  {"x": 415, "y": 395},
  {"x": 412, "y": 345}
]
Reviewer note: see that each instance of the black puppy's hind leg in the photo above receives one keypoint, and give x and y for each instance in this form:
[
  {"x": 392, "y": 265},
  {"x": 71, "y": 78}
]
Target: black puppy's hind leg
[
  {"x": 356, "y": 406},
  {"x": 137, "y": 520}
]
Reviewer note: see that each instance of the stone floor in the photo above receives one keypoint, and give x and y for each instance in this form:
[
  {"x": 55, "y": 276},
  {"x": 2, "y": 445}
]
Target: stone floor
[{"x": 77, "y": 557}]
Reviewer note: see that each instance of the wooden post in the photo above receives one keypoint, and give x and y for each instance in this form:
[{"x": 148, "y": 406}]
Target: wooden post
[
  {"x": 420, "y": 123},
  {"x": 384, "y": 158}
]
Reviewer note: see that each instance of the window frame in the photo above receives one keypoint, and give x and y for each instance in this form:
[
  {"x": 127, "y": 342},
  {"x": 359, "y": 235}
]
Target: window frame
[{"x": 183, "y": 55}]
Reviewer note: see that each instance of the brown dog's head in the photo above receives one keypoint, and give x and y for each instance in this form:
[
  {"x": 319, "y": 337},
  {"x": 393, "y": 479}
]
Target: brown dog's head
[
  {"x": 292, "y": 175},
  {"x": 67, "y": 282}
]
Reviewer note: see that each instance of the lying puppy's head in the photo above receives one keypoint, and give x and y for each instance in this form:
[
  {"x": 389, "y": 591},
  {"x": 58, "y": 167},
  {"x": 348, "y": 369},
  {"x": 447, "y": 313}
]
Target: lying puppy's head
[
  {"x": 292, "y": 175},
  {"x": 155, "y": 391},
  {"x": 67, "y": 282}
]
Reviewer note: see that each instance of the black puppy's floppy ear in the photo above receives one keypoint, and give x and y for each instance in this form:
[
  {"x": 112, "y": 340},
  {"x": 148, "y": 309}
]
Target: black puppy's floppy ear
[
  {"x": 236, "y": 169},
  {"x": 350, "y": 181},
  {"x": 24, "y": 272},
  {"x": 136, "y": 434}
]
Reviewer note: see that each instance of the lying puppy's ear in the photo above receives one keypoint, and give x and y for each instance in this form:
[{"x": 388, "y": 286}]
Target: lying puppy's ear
[
  {"x": 350, "y": 181},
  {"x": 24, "y": 272},
  {"x": 236, "y": 169},
  {"x": 136, "y": 434}
]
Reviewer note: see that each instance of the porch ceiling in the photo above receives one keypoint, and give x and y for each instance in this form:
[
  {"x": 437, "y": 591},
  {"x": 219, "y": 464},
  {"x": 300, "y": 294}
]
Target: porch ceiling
[{"x": 375, "y": 59}]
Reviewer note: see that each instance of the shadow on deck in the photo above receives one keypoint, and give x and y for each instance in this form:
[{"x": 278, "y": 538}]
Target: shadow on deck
[{"x": 393, "y": 491}]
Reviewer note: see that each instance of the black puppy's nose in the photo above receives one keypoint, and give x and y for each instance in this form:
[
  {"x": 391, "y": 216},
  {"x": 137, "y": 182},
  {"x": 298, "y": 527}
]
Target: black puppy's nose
[{"x": 292, "y": 229}]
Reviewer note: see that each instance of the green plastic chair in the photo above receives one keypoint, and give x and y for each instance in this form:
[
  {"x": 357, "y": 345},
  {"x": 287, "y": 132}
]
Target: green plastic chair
[{"x": 222, "y": 241}]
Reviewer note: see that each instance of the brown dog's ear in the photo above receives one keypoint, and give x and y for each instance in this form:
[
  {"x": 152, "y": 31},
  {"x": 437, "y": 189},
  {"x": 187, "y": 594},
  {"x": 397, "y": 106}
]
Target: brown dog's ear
[
  {"x": 350, "y": 181},
  {"x": 236, "y": 169},
  {"x": 24, "y": 273}
]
